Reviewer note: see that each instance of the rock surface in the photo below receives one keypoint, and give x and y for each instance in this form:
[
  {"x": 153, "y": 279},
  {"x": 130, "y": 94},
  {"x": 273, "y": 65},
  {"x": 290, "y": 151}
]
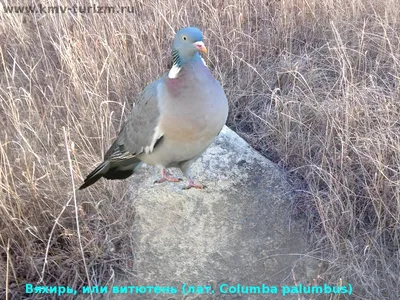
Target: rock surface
[{"x": 236, "y": 231}]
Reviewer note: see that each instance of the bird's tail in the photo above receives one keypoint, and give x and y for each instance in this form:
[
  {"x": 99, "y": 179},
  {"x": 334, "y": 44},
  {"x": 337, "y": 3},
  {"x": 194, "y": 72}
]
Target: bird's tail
[
  {"x": 96, "y": 174},
  {"x": 112, "y": 170}
]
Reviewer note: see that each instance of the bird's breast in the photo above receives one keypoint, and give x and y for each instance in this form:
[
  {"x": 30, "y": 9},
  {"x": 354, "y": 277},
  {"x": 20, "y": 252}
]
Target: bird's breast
[
  {"x": 192, "y": 113},
  {"x": 193, "y": 106}
]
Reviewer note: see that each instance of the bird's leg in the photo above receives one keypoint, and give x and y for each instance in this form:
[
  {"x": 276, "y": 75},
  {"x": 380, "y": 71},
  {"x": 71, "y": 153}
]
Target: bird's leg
[
  {"x": 167, "y": 177},
  {"x": 193, "y": 184},
  {"x": 185, "y": 168}
]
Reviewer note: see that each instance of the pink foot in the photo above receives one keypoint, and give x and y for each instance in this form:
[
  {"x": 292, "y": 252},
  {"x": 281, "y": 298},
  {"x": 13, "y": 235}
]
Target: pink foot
[
  {"x": 167, "y": 177},
  {"x": 191, "y": 184}
]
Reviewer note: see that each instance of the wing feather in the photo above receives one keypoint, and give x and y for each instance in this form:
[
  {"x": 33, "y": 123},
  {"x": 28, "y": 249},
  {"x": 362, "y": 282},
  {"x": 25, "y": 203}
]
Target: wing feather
[{"x": 140, "y": 132}]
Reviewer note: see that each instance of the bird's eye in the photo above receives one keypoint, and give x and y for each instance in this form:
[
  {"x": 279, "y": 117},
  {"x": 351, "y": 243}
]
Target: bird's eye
[{"x": 184, "y": 38}]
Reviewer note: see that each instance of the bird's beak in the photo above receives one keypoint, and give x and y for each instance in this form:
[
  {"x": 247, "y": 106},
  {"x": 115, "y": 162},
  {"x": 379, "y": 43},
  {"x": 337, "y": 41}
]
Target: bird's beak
[{"x": 201, "y": 47}]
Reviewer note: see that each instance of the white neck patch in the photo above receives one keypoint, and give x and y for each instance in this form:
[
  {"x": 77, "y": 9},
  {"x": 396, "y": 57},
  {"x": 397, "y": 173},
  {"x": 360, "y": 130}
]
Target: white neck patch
[{"x": 173, "y": 73}]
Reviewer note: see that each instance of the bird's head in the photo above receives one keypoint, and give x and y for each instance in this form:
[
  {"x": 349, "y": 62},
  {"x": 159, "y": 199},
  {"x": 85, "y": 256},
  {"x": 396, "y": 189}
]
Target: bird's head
[{"x": 187, "y": 43}]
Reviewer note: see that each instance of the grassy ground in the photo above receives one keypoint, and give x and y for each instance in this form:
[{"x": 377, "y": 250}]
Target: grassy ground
[{"x": 313, "y": 85}]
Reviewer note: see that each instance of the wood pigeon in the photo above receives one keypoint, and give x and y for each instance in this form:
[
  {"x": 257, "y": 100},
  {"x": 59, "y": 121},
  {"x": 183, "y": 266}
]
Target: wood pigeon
[{"x": 175, "y": 118}]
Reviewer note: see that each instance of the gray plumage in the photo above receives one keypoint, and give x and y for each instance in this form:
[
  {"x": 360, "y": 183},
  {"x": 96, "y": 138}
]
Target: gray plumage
[{"x": 175, "y": 118}]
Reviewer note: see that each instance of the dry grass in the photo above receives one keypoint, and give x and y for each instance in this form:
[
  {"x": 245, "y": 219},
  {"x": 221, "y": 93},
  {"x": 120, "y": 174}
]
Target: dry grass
[{"x": 314, "y": 85}]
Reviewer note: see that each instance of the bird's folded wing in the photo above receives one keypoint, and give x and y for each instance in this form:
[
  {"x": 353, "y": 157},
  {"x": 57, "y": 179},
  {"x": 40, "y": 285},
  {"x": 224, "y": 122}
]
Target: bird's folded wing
[{"x": 140, "y": 132}]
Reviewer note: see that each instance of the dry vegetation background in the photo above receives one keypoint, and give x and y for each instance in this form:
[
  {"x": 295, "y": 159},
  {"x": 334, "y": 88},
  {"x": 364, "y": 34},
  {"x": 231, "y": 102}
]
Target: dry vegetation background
[{"x": 313, "y": 85}]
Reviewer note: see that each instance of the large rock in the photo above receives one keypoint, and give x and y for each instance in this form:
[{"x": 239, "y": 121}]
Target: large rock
[{"x": 236, "y": 231}]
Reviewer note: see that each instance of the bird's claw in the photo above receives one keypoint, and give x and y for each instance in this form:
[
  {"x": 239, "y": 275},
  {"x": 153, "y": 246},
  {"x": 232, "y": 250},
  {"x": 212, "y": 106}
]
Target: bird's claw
[
  {"x": 193, "y": 184},
  {"x": 168, "y": 178}
]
